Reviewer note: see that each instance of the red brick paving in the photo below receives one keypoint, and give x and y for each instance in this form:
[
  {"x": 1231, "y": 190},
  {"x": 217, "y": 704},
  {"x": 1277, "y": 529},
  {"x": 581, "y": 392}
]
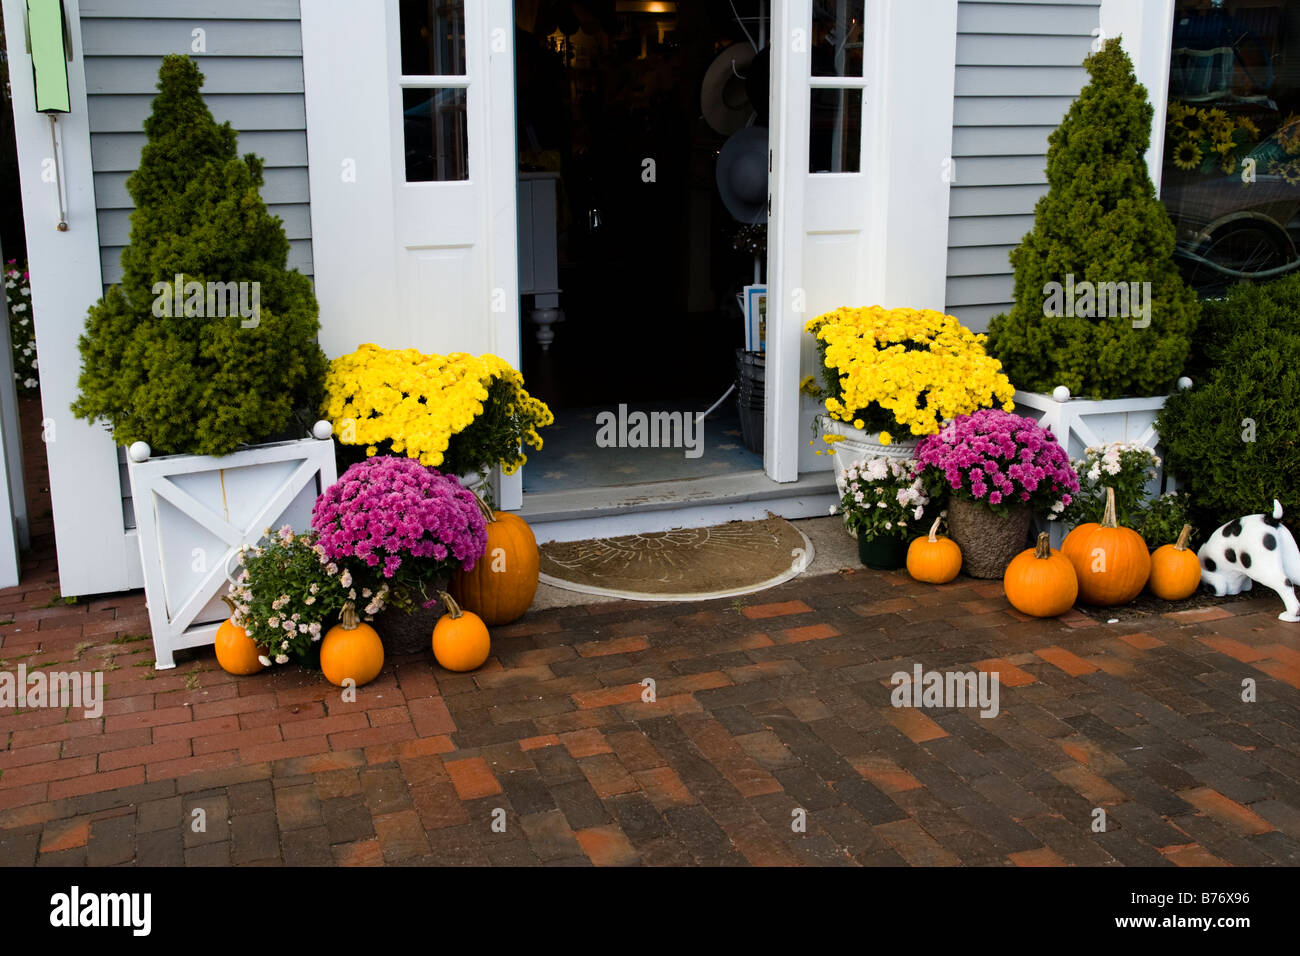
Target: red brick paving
[{"x": 749, "y": 732}]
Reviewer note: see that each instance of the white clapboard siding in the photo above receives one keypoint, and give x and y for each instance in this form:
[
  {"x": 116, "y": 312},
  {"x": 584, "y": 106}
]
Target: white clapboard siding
[
  {"x": 1019, "y": 67},
  {"x": 253, "y": 78}
]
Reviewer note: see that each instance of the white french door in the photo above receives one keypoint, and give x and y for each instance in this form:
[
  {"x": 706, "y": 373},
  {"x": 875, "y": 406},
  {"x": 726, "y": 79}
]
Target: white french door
[{"x": 411, "y": 134}]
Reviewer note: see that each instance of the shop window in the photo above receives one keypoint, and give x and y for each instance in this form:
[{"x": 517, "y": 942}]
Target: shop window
[
  {"x": 434, "y": 90},
  {"x": 838, "y": 86},
  {"x": 1231, "y": 173}
]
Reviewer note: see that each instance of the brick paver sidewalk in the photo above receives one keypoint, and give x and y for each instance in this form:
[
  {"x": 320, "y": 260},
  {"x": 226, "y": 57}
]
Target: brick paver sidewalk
[{"x": 769, "y": 709}]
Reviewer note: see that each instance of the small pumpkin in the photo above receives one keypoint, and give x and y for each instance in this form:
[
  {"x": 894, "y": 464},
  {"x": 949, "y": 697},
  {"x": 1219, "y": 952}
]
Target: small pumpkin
[
  {"x": 1041, "y": 581},
  {"x": 504, "y": 581},
  {"x": 1175, "y": 570},
  {"x": 237, "y": 653},
  {"x": 934, "y": 559},
  {"x": 351, "y": 649},
  {"x": 460, "y": 638},
  {"x": 1112, "y": 562}
]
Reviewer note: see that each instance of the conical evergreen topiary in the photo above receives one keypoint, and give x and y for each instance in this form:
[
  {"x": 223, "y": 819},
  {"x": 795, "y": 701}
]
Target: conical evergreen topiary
[
  {"x": 1100, "y": 222},
  {"x": 197, "y": 379}
]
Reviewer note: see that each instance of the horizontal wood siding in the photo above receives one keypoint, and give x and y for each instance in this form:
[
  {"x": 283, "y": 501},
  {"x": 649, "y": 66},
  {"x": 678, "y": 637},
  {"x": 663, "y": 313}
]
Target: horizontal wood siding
[
  {"x": 252, "y": 67},
  {"x": 1019, "y": 67}
]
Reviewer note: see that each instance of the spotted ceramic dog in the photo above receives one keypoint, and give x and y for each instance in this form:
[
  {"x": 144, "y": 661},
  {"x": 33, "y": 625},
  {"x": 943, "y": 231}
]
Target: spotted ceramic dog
[{"x": 1253, "y": 548}]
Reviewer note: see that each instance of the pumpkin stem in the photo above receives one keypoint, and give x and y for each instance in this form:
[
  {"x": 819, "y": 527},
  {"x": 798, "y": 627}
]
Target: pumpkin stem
[
  {"x": 348, "y": 619},
  {"x": 488, "y": 515},
  {"x": 1183, "y": 536},
  {"x": 450, "y": 604},
  {"x": 1043, "y": 548},
  {"x": 229, "y": 602},
  {"x": 935, "y": 527},
  {"x": 1108, "y": 519}
]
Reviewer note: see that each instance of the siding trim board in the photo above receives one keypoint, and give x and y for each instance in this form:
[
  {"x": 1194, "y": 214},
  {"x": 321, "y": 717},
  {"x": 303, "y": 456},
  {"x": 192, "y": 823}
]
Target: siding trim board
[{"x": 1019, "y": 67}]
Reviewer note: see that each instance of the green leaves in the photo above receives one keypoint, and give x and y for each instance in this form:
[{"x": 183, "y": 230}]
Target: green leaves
[
  {"x": 1100, "y": 222},
  {"x": 200, "y": 383}
]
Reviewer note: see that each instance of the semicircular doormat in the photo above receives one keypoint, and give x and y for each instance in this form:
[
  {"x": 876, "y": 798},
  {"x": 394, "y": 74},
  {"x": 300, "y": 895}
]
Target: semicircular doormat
[{"x": 686, "y": 564}]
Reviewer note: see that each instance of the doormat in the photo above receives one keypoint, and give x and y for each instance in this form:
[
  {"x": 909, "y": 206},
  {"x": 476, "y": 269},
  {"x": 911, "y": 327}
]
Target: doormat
[{"x": 687, "y": 564}]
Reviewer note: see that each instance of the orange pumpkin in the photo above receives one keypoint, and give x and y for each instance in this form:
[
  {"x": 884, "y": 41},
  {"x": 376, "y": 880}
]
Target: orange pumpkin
[
  {"x": 1175, "y": 571},
  {"x": 1041, "y": 581},
  {"x": 351, "y": 649},
  {"x": 933, "y": 559},
  {"x": 237, "y": 653},
  {"x": 502, "y": 585},
  {"x": 460, "y": 638},
  {"x": 1112, "y": 563}
]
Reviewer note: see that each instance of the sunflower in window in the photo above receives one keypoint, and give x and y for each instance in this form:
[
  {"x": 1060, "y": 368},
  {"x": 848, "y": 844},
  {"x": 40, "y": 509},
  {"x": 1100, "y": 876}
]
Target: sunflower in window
[{"x": 1187, "y": 155}]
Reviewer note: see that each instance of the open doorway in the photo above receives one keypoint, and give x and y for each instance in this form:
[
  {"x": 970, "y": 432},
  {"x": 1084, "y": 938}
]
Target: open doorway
[{"x": 626, "y": 109}]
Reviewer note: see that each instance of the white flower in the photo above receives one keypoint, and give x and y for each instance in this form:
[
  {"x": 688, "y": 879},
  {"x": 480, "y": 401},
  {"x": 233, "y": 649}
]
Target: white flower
[
  {"x": 20, "y": 307},
  {"x": 284, "y": 645},
  {"x": 345, "y": 578},
  {"x": 264, "y": 660},
  {"x": 282, "y": 658},
  {"x": 272, "y": 622},
  {"x": 309, "y": 600},
  {"x": 916, "y": 514}
]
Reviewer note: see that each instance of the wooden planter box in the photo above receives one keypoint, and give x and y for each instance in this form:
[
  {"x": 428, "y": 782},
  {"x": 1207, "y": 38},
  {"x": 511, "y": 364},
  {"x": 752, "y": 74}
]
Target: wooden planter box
[
  {"x": 1079, "y": 423},
  {"x": 193, "y": 514}
]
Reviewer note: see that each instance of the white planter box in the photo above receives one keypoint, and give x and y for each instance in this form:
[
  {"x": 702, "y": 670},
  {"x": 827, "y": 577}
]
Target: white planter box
[
  {"x": 857, "y": 445},
  {"x": 193, "y": 514},
  {"x": 1079, "y": 423}
]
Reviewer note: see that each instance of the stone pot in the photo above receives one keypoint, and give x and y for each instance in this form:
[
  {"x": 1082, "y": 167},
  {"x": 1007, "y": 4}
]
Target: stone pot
[{"x": 988, "y": 540}]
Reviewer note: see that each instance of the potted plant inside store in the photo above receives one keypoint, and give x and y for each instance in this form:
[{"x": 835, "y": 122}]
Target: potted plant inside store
[
  {"x": 893, "y": 375},
  {"x": 204, "y": 360}
]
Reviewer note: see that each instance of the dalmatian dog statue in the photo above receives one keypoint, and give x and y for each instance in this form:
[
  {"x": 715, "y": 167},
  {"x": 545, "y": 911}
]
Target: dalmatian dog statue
[{"x": 1253, "y": 548}]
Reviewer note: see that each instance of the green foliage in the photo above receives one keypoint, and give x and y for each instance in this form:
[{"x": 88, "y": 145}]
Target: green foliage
[
  {"x": 1246, "y": 311},
  {"x": 1100, "y": 222},
  {"x": 1163, "y": 519},
  {"x": 1233, "y": 439},
  {"x": 199, "y": 384}
]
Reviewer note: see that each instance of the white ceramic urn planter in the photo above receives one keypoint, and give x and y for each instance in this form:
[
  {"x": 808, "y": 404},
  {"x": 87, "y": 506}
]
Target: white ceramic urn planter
[
  {"x": 194, "y": 513},
  {"x": 1079, "y": 423},
  {"x": 859, "y": 444}
]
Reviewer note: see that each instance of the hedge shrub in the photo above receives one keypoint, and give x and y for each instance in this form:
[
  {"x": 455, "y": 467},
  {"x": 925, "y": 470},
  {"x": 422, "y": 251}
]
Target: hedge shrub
[
  {"x": 200, "y": 384},
  {"x": 1100, "y": 221},
  {"x": 1251, "y": 391}
]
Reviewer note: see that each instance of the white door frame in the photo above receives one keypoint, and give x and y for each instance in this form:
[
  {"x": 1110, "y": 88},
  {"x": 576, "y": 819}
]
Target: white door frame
[{"x": 96, "y": 552}]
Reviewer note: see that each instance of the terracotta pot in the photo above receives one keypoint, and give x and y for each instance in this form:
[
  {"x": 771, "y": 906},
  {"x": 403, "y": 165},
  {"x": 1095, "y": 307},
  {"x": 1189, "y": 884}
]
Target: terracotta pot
[
  {"x": 988, "y": 541},
  {"x": 882, "y": 554}
]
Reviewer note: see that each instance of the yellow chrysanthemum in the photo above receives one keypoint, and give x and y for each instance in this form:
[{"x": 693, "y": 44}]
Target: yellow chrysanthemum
[{"x": 886, "y": 438}]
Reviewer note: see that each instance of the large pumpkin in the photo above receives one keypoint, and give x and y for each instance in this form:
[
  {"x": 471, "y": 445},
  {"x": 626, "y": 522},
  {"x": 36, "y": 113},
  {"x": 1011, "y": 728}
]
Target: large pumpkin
[
  {"x": 1175, "y": 570},
  {"x": 460, "y": 638},
  {"x": 1040, "y": 581},
  {"x": 1112, "y": 563},
  {"x": 237, "y": 653},
  {"x": 502, "y": 585},
  {"x": 351, "y": 649},
  {"x": 933, "y": 559}
]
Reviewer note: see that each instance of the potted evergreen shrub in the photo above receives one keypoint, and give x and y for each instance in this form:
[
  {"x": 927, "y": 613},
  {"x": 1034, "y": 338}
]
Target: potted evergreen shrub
[
  {"x": 204, "y": 353},
  {"x": 1100, "y": 310}
]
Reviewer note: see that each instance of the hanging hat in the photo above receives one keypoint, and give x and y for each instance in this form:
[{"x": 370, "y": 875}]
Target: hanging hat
[
  {"x": 723, "y": 97},
  {"x": 742, "y": 174}
]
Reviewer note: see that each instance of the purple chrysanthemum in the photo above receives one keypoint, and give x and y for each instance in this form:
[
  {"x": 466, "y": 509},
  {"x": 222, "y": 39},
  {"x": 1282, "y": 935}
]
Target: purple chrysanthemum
[{"x": 388, "y": 510}]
